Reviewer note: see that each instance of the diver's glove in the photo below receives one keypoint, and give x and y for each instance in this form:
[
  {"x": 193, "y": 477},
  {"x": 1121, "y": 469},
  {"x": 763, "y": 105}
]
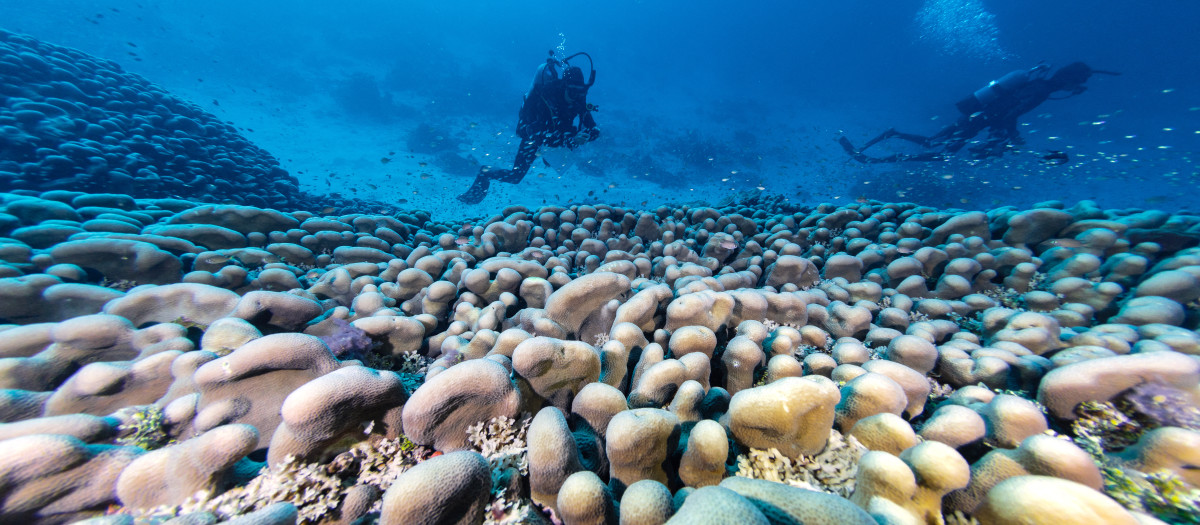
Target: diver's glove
[{"x": 581, "y": 138}]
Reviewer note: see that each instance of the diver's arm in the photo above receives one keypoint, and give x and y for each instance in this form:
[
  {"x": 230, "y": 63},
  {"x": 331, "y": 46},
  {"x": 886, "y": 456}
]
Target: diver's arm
[
  {"x": 588, "y": 123},
  {"x": 585, "y": 132}
]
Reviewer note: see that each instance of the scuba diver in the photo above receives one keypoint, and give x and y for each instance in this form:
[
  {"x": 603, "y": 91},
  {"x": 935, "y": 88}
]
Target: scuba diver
[
  {"x": 994, "y": 108},
  {"x": 555, "y": 113}
]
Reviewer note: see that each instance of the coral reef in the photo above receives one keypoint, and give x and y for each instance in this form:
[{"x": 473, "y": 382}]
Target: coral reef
[
  {"x": 187, "y": 337},
  {"x": 592, "y": 362}
]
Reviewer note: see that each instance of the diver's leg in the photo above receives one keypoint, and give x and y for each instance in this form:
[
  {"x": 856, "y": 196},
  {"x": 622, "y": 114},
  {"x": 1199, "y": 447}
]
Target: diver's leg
[
  {"x": 952, "y": 145},
  {"x": 992, "y": 147},
  {"x": 882, "y": 136},
  {"x": 525, "y": 157},
  {"x": 479, "y": 188},
  {"x": 857, "y": 154},
  {"x": 919, "y": 157},
  {"x": 915, "y": 139}
]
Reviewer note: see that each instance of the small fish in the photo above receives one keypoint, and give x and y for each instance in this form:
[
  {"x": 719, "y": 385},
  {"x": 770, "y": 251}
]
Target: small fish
[
  {"x": 328, "y": 209},
  {"x": 372, "y": 186},
  {"x": 384, "y": 160},
  {"x": 422, "y": 164},
  {"x": 976, "y": 114},
  {"x": 216, "y": 103},
  {"x": 1060, "y": 243},
  {"x": 1055, "y": 158},
  {"x": 130, "y": 44}
]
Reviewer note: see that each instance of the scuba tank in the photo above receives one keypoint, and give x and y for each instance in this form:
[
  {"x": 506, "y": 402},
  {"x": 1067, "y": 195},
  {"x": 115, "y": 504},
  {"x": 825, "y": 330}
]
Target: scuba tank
[{"x": 995, "y": 89}]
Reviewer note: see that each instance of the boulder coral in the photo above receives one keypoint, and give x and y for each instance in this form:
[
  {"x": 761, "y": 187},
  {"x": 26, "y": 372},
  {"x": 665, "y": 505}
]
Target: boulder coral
[
  {"x": 909, "y": 487},
  {"x": 177, "y": 472},
  {"x": 446, "y": 490},
  {"x": 1102, "y": 379},
  {"x": 1041, "y": 500},
  {"x": 688, "y": 364},
  {"x": 794, "y": 415},
  {"x": 439, "y": 412}
]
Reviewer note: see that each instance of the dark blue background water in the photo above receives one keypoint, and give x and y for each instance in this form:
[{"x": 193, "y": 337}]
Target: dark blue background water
[{"x": 699, "y": 99}]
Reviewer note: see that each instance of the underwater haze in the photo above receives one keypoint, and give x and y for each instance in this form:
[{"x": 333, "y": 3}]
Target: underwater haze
[{"x": 700, "y": 100}]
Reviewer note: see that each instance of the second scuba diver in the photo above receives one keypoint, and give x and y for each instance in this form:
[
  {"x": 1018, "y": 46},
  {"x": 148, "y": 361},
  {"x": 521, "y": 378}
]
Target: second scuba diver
[{"x": 994, "y": 108}]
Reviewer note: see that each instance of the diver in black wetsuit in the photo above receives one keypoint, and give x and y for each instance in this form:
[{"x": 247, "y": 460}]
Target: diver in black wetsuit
[
  {"x": 994, "y": 108},
  {"x": 555, "y": 113}
]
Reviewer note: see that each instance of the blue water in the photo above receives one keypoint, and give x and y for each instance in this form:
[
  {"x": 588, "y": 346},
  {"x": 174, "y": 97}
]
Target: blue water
[{"x": 699, "y": 100}]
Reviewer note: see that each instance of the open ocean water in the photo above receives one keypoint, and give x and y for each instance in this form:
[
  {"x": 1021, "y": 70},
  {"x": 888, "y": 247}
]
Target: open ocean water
[{"x": 401, "y": 101}]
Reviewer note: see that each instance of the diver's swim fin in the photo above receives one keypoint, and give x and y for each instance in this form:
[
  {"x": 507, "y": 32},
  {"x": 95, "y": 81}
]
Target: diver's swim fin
[
  {"x": 846, "y": 145},
  {"x": 477, "y": 191},
  {"x": 857, "y": 154},
  {"x": 854, "y": 152}
]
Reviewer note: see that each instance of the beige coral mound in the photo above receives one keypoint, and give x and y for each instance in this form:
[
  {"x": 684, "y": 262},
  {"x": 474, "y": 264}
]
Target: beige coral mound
[
  {"x": 451, "y": 489},
  {"x": 250, "y": 384},
  {"x": 570, "y": 305},
  {"x": 348, "y": 400},
  {"x": 1041, "y": 500},
  {"x": 1168, "y": 448},
  {"x": 1101, "y": 379},
  {"x": 171, "y": 475},
  {"x": 556, "y": 369},
  {"x": 909, "y": 488},
  {"x": 440, "y": 411},
  {"x": 57, "y": 479},
  {"x": 794, "y": 415},
  {"x": 638, "y": 442}
]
